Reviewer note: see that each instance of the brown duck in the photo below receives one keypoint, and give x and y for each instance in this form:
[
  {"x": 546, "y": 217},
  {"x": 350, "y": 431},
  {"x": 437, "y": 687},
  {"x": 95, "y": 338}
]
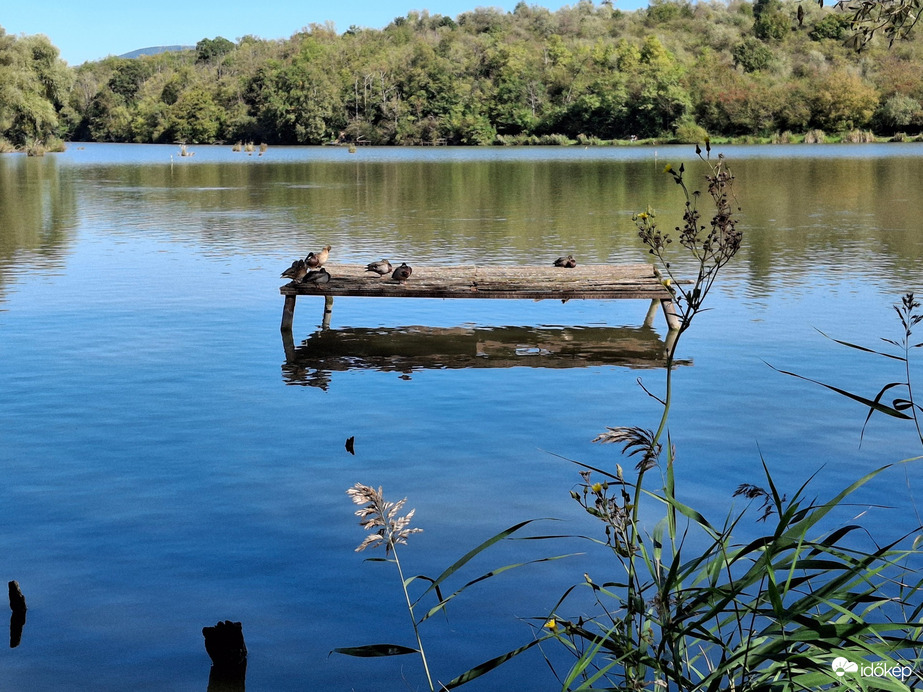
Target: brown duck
[
  {"x": 322, "y": 256},
  {"x": 296, "y": 272},
  {"x": 568, "y": 262},
  {"x": 402, "y": 273}
]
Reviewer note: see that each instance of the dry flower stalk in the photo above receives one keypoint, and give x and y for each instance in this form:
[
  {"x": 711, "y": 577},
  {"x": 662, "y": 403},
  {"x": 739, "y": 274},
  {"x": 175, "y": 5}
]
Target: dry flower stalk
[{"x": 376, "y": 513}]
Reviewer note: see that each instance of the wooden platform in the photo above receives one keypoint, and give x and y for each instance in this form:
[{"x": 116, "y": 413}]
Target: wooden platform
[{"x": 596, "y": 282}]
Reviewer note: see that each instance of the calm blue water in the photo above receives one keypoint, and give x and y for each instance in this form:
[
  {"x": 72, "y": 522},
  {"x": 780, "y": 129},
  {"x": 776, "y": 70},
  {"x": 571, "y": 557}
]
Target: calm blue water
[{"x": 164, "y": 470}]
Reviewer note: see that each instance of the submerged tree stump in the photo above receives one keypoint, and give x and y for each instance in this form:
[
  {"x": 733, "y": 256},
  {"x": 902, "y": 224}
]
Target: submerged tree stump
[
  {"x": 225, "y": 645},
  {"x": 17, "y": 600},
  {"x": 18, "y": 618}
]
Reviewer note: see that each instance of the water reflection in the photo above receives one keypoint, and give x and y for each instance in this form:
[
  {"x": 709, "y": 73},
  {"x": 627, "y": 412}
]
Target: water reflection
[
  {"x": 413, "y": 348},
  {"x": 38, "y": 212}
]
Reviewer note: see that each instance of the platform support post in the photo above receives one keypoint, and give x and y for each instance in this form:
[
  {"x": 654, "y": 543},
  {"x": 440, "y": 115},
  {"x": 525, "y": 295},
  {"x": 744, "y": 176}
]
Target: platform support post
[
  {"x": 669, "y": 312},
  {"x": 328, "y": 311},
  {"x": 651, "y": 312},
  {"x": 288, "y": 313}
]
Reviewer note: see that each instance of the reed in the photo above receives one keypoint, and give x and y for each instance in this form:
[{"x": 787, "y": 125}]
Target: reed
[
  {"x": 815, "y": 137},
  {"x": 685, "y": 604},
  {"x": 796, "y": 607},
  {"x": 391, "y": 530}
]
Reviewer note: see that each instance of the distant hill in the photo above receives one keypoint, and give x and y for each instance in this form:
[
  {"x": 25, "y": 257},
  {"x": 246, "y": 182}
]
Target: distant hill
[{"x": 154, "y": 50}]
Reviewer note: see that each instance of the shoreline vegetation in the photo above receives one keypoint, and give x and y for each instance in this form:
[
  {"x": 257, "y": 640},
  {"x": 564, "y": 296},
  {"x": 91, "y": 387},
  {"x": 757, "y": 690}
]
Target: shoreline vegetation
[
  {"x": 770, "y": 71},
  {"x": 56, "y": 145},
  {"x": 686, "y": 603}
]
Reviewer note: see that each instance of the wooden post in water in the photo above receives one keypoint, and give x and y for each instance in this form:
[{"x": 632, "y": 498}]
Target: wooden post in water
[
  {"x": 669, "y": 312},
  {"x": 328, "y": 311},
  {"x": 288, "y": 312},
  {"x": 651, "y": 313}
]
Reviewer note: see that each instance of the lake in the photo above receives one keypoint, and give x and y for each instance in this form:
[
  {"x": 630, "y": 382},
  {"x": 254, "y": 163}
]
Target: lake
[{"x": 170, "y": 462}]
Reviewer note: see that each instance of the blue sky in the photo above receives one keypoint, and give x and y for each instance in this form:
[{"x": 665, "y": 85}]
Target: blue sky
[{"x": 93, "y": 29}]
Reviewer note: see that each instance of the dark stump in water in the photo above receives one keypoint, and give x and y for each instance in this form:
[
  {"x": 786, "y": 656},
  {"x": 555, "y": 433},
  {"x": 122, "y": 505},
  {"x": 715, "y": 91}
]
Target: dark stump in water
[
  {"x": 18, "y": 618},
  {"x": 225, "y": 645}
]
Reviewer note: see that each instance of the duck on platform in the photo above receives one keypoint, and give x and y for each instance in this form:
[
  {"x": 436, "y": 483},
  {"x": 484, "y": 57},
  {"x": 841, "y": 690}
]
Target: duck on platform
[
  {"x": 322, "y": 256},
  {"x": 296, "y": 272},
  {"x": 568, "y": 262},
  {"x": 310, "y": 260},
  {"x": 402, "y": 273},
  {"x": 381, "y": 268},
  {"x": 319, "y": 276}
]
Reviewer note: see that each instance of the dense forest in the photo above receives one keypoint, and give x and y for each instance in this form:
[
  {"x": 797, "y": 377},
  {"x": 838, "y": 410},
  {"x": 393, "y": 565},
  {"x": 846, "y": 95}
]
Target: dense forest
[{"x": 675, "y": 71}]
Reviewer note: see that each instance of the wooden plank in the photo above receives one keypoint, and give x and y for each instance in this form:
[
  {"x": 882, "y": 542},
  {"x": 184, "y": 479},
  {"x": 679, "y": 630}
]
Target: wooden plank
[{"x": 597, "y": 281}]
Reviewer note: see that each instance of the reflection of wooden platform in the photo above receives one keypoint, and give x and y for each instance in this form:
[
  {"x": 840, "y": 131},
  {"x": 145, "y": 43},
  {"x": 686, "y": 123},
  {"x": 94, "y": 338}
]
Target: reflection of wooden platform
[
  {"x": 406, "y": 349},
  {"x": 598, "y": 281}
]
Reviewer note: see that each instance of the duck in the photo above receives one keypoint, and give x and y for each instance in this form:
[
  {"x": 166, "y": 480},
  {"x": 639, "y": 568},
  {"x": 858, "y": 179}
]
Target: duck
[
  {"x": 381, "y": 268},
  {"x": 311, "y": 260},
  {"x": 402, "y": 273},
  {"x": 322, "y": 256},
  {"x": 319, "y": 276},
  {"x": 296, "y": 272},
  {"x": 568, "y": 262}
]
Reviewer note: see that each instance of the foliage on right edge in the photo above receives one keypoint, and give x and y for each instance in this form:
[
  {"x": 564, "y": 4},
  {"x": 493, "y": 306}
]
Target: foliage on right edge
[{"x": 800, "y": 607}]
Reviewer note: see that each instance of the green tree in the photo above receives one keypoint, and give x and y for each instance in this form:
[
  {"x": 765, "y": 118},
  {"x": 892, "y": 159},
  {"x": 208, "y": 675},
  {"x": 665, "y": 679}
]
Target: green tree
[
  {"x": 194, "y": 118},
  {"x": 843, "y": 101},
  {"x": 752, "y": 55},
  {"x": 772, "y": 26},
  {"x": 208, "y": 49},
  {"x": 832, "y": 26},
  {"x": 34, "y": 89},
  {"x": 899, "y": 113},
  {"x": 128, "y": 77}
]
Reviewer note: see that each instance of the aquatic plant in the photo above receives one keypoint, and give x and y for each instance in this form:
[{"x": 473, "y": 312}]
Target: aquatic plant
[
  {"x": 389, "y": 531},
  {"x": 711, "y": 246},
  {"x": 35, "y": 148},
  {"x": 796, "y": 607},
  {"x": 904, "y": 406},
  {"x": 690, "y": 606}
]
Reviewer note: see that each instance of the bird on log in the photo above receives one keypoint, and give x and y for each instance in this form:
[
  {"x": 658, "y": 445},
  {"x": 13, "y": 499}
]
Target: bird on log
[
  {"x": 567, "y": 262},
  {"x": 381, "y": 268},
  {"x": 297, "y": 271},
  {"x": 402, "y": 273},
  {"x": 321, "y": 257},
  {"x": 319, "y": 276}
]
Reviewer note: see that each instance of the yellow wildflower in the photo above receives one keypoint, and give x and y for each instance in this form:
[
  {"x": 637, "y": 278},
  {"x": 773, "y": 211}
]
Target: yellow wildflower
[
  {"x": 597, "y": 487},
  {"x": 552, "y": 625}
]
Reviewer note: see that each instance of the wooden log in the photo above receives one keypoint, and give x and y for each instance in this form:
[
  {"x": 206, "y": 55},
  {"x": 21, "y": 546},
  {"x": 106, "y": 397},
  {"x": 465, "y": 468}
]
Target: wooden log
[
  {"x": 288, "y": 313},
  {"x": 635, "y": 281}
]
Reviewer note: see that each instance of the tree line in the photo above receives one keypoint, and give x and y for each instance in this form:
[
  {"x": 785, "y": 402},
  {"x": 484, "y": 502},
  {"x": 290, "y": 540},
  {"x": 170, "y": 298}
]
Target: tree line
[{"x": 589, "y": 73}]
